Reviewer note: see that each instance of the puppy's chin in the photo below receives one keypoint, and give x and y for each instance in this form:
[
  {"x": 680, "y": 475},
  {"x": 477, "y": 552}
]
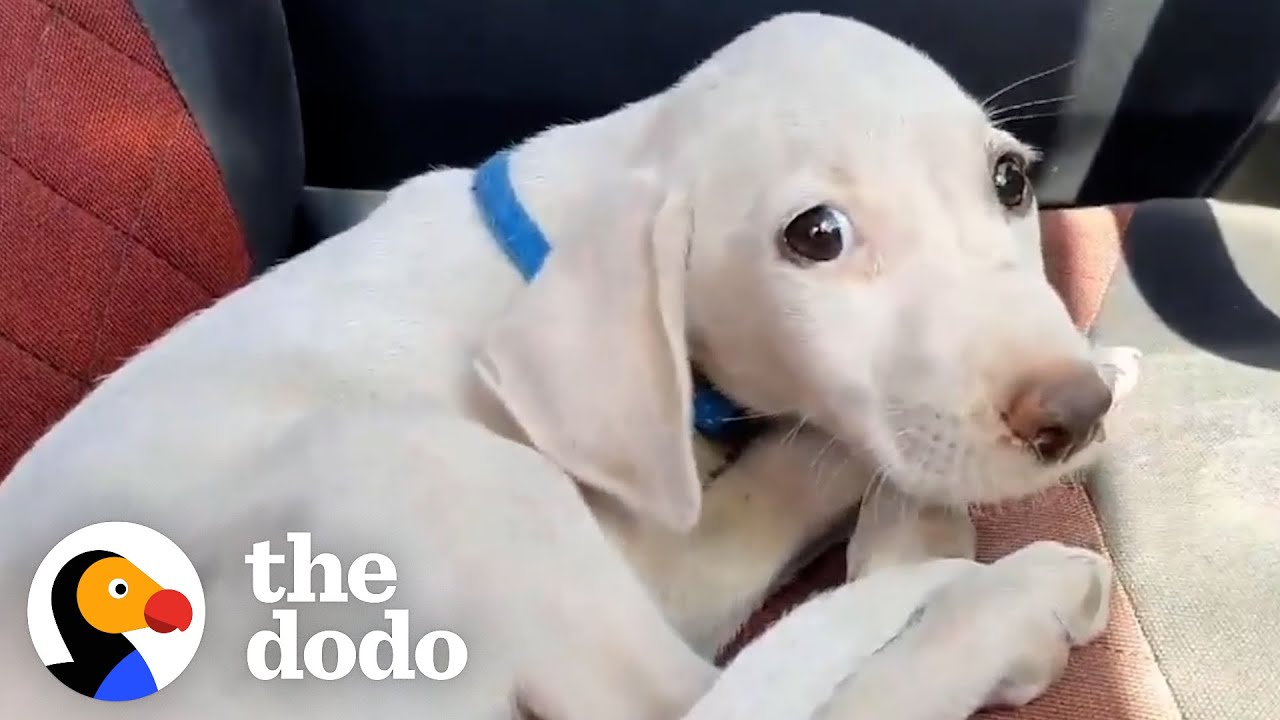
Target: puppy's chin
[{"x": 958, "y": 462}]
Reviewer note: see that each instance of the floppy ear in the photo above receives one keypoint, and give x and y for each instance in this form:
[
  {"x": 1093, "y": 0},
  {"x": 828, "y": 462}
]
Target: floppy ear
[{"x": 591, "y": 360}]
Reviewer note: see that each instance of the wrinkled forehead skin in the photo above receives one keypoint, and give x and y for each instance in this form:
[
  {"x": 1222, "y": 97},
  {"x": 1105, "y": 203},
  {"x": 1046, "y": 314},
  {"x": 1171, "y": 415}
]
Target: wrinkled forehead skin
[{"x": 810, "y": 100}]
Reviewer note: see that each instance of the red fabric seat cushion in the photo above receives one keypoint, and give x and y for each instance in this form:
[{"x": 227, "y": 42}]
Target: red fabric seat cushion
[{"x": 113, "y": 220}]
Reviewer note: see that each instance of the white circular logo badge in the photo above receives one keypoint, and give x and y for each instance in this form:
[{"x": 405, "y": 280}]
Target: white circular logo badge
[{"x": 116, "y": 611}]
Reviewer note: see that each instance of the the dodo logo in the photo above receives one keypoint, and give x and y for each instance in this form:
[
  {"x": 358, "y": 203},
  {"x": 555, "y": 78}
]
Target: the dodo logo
[{"x": 116, "y": 611}]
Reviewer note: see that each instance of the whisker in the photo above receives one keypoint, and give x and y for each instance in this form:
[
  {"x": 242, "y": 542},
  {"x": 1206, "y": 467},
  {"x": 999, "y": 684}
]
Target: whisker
[
  {"x": 871, "y": 494},
  {"x": 874, "y": 497},
  {"x": 1000, "y": 122},
  {"x": 817, "y": 457},
  {"x": 1025, "y": 80},
  {"x": 911, "y": 508},
  {"x": 752, "y": 416},
  {"x": 997, "y": 112},
  {"x": 848, "y": 454},
  {"x": 794, "y": 431},
  {"x": 897, "y": 510}
]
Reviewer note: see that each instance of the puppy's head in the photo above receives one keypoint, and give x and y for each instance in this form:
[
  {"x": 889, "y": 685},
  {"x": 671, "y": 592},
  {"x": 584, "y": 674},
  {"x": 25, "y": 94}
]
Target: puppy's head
[
  {"x": 866, "y": 254},
  {"x": 837, "y": 232}
]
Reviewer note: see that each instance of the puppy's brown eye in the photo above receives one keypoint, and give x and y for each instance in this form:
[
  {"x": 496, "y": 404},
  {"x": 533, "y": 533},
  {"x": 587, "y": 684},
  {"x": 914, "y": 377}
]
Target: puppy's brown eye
[
  {"x": 818, "y": 234},
  {"x": 1009, "y": 176}
]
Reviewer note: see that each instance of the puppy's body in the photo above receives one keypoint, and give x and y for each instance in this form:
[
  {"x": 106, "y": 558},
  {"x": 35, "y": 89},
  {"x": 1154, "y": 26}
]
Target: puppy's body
[
  {"x": 339, "y": 395},
  {"x": 323, "y": 398}
]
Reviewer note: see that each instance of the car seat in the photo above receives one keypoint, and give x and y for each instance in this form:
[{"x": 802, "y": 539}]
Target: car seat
[{"x": 157, "y": 154}]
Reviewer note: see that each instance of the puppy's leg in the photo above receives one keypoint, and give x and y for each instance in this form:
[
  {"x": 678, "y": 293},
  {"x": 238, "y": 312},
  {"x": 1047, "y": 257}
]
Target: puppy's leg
[
  {"x": 587, "y": 640},
  {"x": 794, "y": 668},
  {"x": 769, "y": 509},
  {"x": 1000, "y": 636},
  {"x": 894, "y": 528},
  {"x": 928, "y": 641},
  {"x": 489, "y": 540}
]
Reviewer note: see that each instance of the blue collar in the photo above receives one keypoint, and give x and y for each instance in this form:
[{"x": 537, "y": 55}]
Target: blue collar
[{"x": 527, "y": 248}]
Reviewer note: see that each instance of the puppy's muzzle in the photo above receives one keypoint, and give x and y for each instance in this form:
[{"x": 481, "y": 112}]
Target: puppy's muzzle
[{"x": 1058, "y": 409}]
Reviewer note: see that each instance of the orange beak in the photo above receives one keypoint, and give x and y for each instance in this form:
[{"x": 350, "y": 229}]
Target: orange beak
[{"x": 167, "y": 610}]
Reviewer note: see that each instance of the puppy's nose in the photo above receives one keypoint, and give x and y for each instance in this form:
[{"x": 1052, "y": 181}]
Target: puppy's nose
[{"x": 1058, "y": 409}]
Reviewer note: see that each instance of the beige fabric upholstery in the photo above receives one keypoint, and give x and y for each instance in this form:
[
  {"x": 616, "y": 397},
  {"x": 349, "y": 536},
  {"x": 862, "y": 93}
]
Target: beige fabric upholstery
[{"x": 1190, "y": 500}]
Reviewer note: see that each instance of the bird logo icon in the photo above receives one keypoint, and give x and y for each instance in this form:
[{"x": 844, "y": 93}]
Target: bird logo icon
[{"x": 116, "y": 611}]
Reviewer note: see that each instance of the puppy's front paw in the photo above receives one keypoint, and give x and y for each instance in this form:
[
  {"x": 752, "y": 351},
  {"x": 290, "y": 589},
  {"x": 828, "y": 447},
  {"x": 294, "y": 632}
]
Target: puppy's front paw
[
  {"x": 1063, "y": 601},
  {"x": 1029, "y": 676},
  {"x": 1072, "y": 584},
  {"x": 1120, "y": 368}
]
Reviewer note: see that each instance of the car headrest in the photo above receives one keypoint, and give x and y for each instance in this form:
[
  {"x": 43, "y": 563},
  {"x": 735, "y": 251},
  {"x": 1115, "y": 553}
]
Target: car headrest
[{"x": 1161, "y": 93}]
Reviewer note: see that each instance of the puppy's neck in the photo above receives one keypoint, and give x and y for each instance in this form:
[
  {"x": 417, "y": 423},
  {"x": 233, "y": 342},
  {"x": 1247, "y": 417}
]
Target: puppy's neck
[{"x": 557, "y": 173}]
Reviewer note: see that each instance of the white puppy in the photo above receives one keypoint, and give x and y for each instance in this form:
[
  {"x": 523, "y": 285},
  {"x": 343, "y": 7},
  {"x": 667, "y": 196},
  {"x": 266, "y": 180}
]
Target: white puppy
[{"x": 818, "y": 218}]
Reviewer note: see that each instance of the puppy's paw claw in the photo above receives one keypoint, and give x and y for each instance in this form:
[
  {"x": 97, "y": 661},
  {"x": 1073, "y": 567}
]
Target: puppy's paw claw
[
  {"x": 1120, "y": 368},
  {"x": 1087, "y": 608}
]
